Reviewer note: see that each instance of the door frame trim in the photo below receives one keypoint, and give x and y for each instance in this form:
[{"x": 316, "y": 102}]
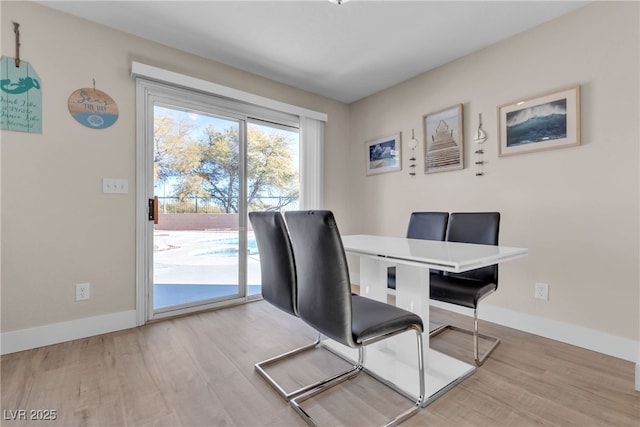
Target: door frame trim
[
  {"x": 148, "y": 95},
  {"x": 144, "y": 227},
  {"x": 182, "y": 80},
  {"x": 311, "y": 124}
]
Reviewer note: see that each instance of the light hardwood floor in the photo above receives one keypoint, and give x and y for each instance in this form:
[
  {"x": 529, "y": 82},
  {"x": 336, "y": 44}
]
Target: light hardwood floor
[{"x": 198, "y": 371}]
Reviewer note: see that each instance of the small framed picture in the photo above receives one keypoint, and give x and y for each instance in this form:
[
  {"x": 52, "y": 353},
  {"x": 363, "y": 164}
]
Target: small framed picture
[
  {"x": 443, "y": 140},
  {"x": 383, "y": 155},
  {"x": 540, "y": 123}
]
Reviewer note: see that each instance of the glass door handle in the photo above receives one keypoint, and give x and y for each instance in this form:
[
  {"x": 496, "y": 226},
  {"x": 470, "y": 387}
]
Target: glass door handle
[{"x": 153, "y": 209}]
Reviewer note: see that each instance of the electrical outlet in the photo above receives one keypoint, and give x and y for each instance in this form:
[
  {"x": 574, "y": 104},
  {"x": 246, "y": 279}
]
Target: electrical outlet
[
  {"x": 82, "y": 291},
  {"x": 542, "y": 291}
]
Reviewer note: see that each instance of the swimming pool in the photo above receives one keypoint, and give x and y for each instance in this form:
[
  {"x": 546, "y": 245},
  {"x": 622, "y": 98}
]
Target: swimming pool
[{"x": 228, "y": 246}]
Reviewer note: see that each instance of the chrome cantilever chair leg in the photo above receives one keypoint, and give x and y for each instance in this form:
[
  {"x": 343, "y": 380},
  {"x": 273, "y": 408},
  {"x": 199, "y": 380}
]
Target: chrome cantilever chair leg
[
  {"x": 420, "y": 401},
  {"x": 260, "y": 367},
  {"x": 479, "y": 359},
  {"x": 324, "y": 385},
  {"x": 355, "y": 371}
]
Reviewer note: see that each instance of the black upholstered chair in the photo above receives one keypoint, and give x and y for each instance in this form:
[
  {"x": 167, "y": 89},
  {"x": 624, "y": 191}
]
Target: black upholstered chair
[
  {"x": 426, "y": 226},
  {"x": 326, "y": 303},
  {"x": 279, "y": 287},
  {"x": 469, "y": 288}
]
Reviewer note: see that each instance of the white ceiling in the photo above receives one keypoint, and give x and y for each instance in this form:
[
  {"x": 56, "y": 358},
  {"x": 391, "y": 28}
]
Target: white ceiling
[{"x": 344, "y": 52}]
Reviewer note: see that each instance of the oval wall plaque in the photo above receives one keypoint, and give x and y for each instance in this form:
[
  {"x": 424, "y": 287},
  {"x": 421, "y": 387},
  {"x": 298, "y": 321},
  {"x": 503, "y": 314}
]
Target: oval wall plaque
[{"x": 93, "y": 108}]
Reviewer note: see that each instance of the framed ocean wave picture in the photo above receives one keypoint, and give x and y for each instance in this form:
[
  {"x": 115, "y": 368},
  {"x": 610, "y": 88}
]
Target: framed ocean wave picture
[{"x": 540, "y": 123}]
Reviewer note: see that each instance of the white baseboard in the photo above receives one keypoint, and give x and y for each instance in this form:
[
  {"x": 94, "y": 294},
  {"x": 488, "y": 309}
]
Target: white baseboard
[
  {"x": 623, "y": 348},
  {"x": 611, "y": 345},
  {"x": 25, "y": 339}
]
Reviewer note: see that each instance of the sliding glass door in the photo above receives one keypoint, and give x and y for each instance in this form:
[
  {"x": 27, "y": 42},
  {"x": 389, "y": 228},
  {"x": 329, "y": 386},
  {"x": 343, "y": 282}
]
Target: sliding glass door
[
  {"x": 273, "y": 180},
  {"x": 197, "y": 184},
  {"x": 210, "y": 168}
]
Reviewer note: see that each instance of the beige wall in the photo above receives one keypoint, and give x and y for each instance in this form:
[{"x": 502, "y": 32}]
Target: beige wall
[
  {"x": 58, "y": 229},
  {"x": 576, "y": 209}
]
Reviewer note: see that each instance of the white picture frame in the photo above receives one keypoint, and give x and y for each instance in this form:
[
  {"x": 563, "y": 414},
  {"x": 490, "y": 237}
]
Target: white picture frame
[{"x": 384, "y": 154}]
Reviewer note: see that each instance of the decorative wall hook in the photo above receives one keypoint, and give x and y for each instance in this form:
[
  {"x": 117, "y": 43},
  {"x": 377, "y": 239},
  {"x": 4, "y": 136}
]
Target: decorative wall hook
[
  {"x": 413, "y": 143},
  {"x": 479, "y": 138},
  {"x": 16, "y": 30}
]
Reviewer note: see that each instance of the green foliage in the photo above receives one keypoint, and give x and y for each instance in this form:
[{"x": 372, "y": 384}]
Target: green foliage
[
  {"x": 270, "y": 168},
  {"x": 220, "y": 167},
  {"x": 208, "y": 166}
]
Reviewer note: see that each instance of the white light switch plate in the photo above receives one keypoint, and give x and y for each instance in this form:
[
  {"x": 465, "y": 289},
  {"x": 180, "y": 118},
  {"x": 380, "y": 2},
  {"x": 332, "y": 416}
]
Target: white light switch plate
[{"x": 115, "y": 186}]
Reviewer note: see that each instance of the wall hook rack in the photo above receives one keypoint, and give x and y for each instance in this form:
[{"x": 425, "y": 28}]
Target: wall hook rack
[
  {"x": 16, "y": 30},
  {"x": 479, "y": 138},
  {"x": 413, "y": 143}
]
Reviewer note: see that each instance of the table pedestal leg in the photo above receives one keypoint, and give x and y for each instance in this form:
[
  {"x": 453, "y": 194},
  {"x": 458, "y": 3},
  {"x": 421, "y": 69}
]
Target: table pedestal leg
[
  {"x": 394, "y": 360},
  {"x": 373, "y": 278}
]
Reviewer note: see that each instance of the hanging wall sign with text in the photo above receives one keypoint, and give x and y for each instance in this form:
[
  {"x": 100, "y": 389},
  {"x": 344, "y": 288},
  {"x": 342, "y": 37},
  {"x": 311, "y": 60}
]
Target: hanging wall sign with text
[
  {"x": 20, "y": 97},
  {"x": 93, "y": 108}
]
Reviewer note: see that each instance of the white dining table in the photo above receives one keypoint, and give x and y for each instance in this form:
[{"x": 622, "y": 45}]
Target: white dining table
[{"x": 394, "y": 361}]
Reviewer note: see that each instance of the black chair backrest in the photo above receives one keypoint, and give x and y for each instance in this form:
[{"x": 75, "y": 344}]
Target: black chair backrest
[
  {"x": 475, "y": 227},
  {"x": 277, "y": 265},
  {"x": 324, "y": 288},
  {"x": 428, "y": 225}
]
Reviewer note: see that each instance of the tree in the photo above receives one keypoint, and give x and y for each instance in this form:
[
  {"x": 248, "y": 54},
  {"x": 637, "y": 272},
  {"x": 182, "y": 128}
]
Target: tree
[
  {"x": 206, "y": 162},
  {"x": 175, "y": 151},
  {"x": 219, "y": 167},
  {"x": 270, "y": 168}
]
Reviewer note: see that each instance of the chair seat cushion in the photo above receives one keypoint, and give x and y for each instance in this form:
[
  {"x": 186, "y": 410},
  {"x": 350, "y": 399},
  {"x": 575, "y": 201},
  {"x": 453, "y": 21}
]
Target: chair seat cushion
[
  {"x": 459, "y": 291},
  {"x": 374, "y": 318}
]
